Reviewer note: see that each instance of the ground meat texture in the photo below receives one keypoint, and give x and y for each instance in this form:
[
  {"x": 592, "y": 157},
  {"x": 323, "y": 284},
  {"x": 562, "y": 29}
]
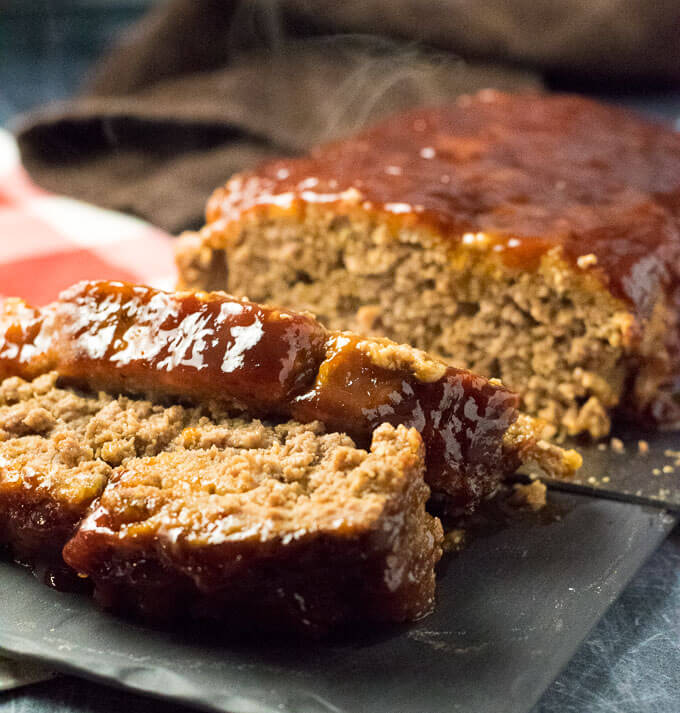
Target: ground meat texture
[
  {"x": 55, "y": 457},
  {"x": 203, "y": 512},
  {"x": 561, "y": 347},
  {"x": 302, "y": 532},
  {"x": 533, "y": 239}
]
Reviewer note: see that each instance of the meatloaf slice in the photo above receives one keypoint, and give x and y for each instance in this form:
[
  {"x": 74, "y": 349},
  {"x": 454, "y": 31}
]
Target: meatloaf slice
[
  {"x": 298, "y": 529},
  {"x": 531, "y": 238},
  {"x": 57, "y": 450},
  {"x": 272, "y": 362}
]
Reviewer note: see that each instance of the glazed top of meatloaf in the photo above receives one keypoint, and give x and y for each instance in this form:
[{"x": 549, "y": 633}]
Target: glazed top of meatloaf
[{"x": 524, "y": 172}]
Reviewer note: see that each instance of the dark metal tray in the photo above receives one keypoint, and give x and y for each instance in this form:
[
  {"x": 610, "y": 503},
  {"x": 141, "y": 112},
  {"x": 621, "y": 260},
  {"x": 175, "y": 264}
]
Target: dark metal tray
[{"x": 512, "y": 608}]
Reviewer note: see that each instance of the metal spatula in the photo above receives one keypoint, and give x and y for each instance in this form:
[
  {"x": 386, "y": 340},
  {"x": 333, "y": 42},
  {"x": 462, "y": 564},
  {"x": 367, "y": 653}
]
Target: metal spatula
[{"x": 632, "y": 466}]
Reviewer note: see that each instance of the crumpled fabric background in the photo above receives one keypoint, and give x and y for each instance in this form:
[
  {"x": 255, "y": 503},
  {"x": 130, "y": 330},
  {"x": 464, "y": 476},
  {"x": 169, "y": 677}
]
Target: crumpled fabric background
[{"x": 203, "y": 88}]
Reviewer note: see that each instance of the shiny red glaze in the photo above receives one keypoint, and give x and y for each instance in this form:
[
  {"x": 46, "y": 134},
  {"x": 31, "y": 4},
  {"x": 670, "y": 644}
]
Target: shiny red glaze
[
  {"x": 461, "y": 416},
  {"x": 533, "y": 172},
  {"x": 24, "y": 344},
  {"x": 201, "y": 346}
]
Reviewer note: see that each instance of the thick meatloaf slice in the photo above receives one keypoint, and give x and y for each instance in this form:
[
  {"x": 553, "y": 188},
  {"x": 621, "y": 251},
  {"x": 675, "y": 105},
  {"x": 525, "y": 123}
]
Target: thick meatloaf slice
[
  {"x": 531, "y": 238},
  {"x": 58, "y": 446},
  {"x": 272, "y": 362},
  {"x": 293, "y": 529}
]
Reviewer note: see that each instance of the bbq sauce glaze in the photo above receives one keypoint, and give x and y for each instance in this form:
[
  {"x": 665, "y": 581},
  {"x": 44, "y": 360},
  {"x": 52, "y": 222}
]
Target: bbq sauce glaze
[
  {"x": 529, "y": 173},
  {"x": 24, "y": 342},
  {"x": 119, "y": 337},
  {"x": 200, "y": 346}
]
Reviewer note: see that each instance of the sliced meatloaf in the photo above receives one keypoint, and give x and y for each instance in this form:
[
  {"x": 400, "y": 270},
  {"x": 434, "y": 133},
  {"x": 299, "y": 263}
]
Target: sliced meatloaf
[
  {"x": 531, "y": 238},
  {"x": 197, "y": 512},
  {"x": 282, "y": 527},
  {"x": 198, "y": 455},
  {"x": 276, "y": 363}
]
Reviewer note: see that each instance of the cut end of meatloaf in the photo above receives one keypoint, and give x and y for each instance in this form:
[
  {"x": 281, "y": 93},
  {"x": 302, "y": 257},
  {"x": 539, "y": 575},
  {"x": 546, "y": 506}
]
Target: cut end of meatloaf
[
  {"x": 57, "y": 449},
  {"x": 551, "y": 334},
  {"x": 301, "y": 530},
  {"x": 531, "y": 238},
  {"x": 199, "y": 511}
]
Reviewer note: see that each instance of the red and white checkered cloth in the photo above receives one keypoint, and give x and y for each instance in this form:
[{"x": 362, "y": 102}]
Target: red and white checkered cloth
[{"x": 48, "y": 242}]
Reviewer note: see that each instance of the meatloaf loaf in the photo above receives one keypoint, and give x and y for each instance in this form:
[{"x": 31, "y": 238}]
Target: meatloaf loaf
[
  {"x": 148, "y": 437},
  {"x": 531, "y": 238}
]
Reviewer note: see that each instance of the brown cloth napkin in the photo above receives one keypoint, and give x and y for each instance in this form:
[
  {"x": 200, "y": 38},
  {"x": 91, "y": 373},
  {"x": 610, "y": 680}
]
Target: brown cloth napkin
[{"x": 203, "y": 88}]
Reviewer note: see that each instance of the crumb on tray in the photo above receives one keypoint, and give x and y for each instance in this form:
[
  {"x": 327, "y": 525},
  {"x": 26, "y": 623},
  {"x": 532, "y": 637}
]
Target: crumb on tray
[
  {"x": 454, "y": 540},
  {"x": 531, "y": 496},
  {"x": 616, "y": 444}
]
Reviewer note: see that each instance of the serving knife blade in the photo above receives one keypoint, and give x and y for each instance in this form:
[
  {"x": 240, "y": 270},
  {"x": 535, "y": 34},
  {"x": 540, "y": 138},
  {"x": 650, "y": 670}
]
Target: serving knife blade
[{"x": 632, "y": 466}]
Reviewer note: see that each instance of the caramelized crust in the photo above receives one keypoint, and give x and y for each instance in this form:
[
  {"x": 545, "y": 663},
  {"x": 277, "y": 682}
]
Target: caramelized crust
[
  {"x": 119, "y": 337},
  {"x": 115, "y": 336}
]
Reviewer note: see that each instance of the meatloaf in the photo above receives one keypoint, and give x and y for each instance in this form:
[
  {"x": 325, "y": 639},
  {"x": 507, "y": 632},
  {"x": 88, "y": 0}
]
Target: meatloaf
[
  {"x": 198, "y": 455},
  {"x": 197, "y": 512},
  {"x": 531, "y": 238},
  {"x": 276, "y": 528},
  {"x": 275, "y": 363}
]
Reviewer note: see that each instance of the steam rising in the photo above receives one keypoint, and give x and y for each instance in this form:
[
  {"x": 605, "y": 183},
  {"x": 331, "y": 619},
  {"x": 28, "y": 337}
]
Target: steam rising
[{"x": 363, "y": 76}]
